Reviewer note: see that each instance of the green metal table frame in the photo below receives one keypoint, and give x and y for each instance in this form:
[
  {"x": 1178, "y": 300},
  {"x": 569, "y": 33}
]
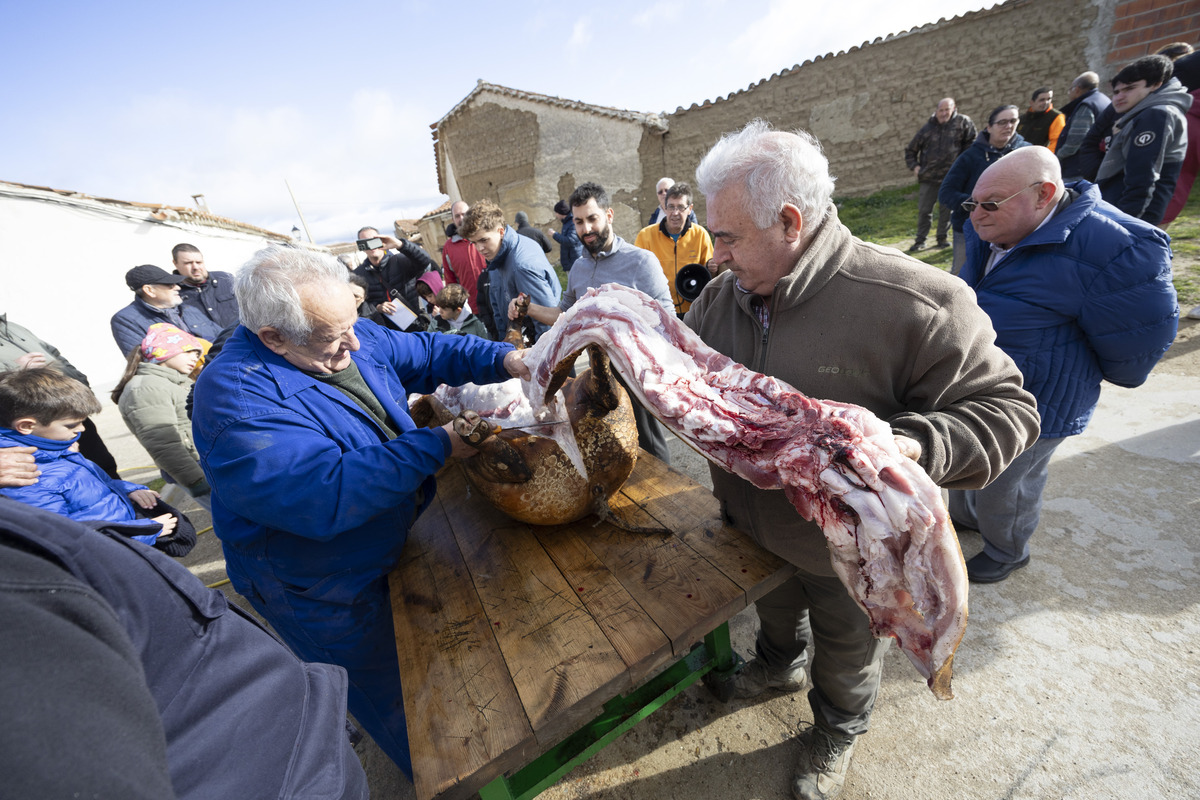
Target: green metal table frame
[{"x": 713, "y": 660}]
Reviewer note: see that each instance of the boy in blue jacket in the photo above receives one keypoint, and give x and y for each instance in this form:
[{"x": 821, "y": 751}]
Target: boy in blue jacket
[{"x": 45, "y": 409}]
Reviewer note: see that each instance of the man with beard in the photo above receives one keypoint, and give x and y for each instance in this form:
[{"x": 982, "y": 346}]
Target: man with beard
[
  {"x": 210, "y": 293},
  {"x": 391, "y": 271},
  {"x": 607, "y": 258}
]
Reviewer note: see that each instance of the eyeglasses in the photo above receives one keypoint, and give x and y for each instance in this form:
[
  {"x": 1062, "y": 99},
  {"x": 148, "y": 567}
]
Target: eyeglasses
[
  {"x": 992, "y": 205},
  {"x": 677, "y": 209},
  {"x": 1007, "y": 122}
]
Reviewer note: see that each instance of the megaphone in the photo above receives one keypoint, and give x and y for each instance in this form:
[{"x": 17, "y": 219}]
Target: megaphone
[{"x": 691, "y": 280}]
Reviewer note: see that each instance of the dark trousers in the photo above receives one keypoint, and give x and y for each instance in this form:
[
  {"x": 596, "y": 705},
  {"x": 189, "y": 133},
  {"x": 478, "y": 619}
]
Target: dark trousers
[
  {"x": 92, "y": 447},
  {"x": 926, "y": 197},
  {"x": 847, "y": 659}
]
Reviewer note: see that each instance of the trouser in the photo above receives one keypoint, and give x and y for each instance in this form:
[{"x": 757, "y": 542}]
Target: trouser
[
  {"x": 960, "y": 252},
  {"x": 926, "y": 196},
  {"x": 1006, "y": 512},
  {"x": 652, "y": 436},
  {"x": 335, "y": 622},
  {"x": 92, "y": 447},
  {"x": 847, "y": 660}
]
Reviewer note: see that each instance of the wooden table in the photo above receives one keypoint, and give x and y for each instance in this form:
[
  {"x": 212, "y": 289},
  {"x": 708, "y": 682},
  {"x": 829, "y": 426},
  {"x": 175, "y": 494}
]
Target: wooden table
[{"x": 524, "y": 650}]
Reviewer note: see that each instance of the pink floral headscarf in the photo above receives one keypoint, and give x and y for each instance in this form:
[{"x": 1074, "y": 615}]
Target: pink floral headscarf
[{"x": 164, "y": 341}]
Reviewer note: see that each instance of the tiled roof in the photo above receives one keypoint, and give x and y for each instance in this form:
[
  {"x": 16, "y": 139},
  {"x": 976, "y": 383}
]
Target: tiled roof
[
  {"x": 653, "y": 120},
  {"x": 162, "y": 212}
]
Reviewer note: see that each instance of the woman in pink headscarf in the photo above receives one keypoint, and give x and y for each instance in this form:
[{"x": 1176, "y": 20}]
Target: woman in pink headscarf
[{"x": 152, "y": 396}]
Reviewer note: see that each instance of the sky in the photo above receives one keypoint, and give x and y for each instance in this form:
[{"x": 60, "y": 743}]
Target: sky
[{"x": 156, "y": 102}]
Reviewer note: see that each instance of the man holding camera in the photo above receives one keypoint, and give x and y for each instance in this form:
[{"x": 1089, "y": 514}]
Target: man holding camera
[
  {"x": 677, "y": 240},
  {"x": 391, "y": 270}
]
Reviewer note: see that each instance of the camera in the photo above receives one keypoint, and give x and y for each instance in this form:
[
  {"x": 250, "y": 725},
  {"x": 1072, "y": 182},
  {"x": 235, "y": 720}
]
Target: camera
[{"x": 373, "y": 243}]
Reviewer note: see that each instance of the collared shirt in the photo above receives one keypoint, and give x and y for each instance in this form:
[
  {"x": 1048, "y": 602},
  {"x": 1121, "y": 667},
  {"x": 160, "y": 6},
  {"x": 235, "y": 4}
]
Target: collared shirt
[{"x": 998, "y": 252}]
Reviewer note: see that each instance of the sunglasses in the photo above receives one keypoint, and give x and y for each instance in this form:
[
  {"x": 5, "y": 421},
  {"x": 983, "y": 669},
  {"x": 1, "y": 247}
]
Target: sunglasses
[{"x": 992, "y": 205}]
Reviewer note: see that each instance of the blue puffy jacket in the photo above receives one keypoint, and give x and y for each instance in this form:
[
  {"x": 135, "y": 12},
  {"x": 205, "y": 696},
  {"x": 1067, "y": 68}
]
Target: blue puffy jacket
[
  {"x": 75, "y": 487},
  {"x": 1085, "y": 298}
]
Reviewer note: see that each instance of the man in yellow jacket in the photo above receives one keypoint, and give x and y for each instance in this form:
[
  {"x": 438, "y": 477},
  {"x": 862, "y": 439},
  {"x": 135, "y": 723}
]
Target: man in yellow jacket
[{"x": 677, "y": 241}]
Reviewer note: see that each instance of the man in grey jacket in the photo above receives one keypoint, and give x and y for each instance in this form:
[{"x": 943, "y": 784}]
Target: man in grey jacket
[
  {"x": 1145, "y": 153},
  {"x": 954, "y": 401}
]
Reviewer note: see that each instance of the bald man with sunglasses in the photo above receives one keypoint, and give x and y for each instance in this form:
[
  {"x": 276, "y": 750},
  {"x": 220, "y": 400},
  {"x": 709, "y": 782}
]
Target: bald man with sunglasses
[{"x": 1079, "y": 293}]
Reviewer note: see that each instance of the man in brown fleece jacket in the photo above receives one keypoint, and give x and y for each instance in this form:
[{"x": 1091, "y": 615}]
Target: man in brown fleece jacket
[{"x": 840, "y": 319}]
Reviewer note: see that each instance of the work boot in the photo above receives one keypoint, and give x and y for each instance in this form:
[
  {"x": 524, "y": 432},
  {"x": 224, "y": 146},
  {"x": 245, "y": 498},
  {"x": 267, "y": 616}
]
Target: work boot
[
  {"x": 756, "y": 677},
  {"x": 916, "y": 247},
  {"x": 821, "y": 770}
]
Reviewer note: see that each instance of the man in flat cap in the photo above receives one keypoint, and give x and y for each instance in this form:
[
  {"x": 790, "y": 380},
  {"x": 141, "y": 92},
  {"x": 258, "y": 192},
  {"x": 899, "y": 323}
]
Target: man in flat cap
[{"x": 156, "y": 299}]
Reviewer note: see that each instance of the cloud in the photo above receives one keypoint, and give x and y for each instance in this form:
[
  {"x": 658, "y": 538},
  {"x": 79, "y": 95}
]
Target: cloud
[
  {"x": 370, "y": 155},
  {"x": 581, "y": 33}
]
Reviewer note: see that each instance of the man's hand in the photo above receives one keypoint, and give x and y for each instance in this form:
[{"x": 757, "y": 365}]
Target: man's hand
[
  {"x": 146, "y": 498},
  {"x": 17, "y": 467},
  {"x": 514, "y": 306},
  {"x": 32, "y": 361},
  {"x": 390, "y": 242},
  {"x": 514, "y": 362},
  {"x": 458, "y": 446},
  {"x": 909, "y": 448},
  {"x": 917, "y": 171},
  {"x": 387, "y": 307},
  {"x": 168, "y": 523}
]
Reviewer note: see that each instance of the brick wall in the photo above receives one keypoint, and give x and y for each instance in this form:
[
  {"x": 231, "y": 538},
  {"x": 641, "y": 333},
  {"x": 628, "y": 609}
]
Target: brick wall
[{"x": 1143, "y": 26}]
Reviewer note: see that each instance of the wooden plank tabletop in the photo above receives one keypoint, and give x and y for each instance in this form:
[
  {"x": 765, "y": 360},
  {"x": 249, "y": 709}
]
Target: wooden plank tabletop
[{"x": 512, "y": 636}]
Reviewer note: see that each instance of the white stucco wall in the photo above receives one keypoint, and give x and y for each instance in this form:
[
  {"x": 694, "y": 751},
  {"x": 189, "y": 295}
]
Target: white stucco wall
[{"x": 63, "y": 263}]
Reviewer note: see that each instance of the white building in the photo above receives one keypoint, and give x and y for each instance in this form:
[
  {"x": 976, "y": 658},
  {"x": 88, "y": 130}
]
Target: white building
[{"x": 64, "y": 255}]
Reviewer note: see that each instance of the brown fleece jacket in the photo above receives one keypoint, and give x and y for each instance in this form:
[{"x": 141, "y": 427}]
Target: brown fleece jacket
[{"x": 864, "y": 324}]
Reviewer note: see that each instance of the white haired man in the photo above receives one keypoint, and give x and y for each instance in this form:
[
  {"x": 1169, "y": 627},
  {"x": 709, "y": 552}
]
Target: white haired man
[
  {"x": 318, "y": 471},
  {"x": 954, "y": 401}
]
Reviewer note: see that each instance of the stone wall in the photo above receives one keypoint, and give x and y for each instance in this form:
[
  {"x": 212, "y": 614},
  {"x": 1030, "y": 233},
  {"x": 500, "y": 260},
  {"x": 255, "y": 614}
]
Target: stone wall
[
  {"x": 525, "y": 154},
  {"x": 866, "y": 104}
]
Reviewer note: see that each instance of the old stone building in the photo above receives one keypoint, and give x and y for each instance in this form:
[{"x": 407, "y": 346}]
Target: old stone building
[{"x": 525, "y": 150}]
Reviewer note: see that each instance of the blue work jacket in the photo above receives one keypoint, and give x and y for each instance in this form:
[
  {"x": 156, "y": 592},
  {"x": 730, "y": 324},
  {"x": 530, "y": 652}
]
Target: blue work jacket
[{"x": 306, "y": 486}]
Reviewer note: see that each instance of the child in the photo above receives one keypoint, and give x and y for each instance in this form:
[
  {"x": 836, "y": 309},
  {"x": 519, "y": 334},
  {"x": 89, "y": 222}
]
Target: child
[
  {"x": 152, "y": 396},
  {"x": 451, "y": 314},
  {"x": 43, "y": 408},
  {"x": 428, "y": 285}
]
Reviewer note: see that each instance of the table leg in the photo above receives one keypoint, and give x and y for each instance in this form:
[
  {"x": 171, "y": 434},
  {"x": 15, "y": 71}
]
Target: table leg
[{"x": 716, "y": 655}]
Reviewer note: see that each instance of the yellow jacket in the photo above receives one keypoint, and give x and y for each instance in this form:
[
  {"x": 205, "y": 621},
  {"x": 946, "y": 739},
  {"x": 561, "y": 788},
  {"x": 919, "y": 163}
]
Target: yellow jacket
[{"x": 693, "y": 247}]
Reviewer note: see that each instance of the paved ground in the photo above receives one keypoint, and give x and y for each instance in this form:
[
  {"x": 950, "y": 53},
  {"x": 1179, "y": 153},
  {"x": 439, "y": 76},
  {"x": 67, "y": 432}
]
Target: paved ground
[{"x": 1078, "y": 677}]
